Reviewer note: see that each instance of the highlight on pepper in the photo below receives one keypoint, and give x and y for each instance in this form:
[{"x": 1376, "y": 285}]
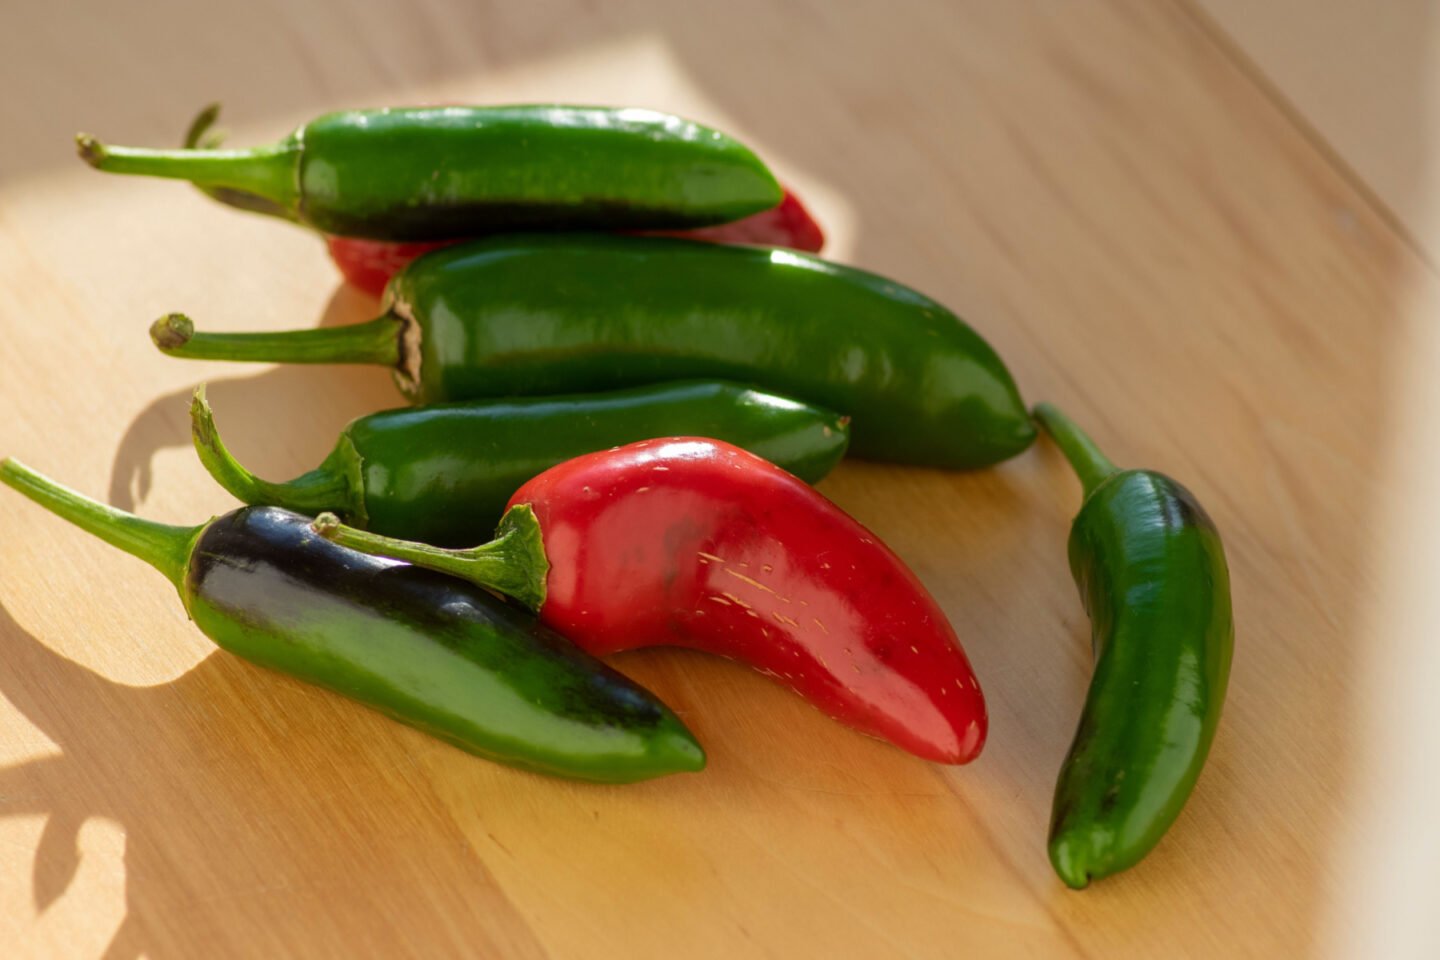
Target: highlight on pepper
[
  {"x": 693, "y": 542},
  {"x": 430, "y": 651},
  {"x": 1153, "y": 577}
]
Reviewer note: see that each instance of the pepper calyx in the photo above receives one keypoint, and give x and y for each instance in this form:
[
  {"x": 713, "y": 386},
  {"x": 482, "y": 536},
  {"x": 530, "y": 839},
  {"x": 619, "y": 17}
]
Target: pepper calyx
[
  {"x": 513, "y": 564},
  {"x": 337, "y": 484}
]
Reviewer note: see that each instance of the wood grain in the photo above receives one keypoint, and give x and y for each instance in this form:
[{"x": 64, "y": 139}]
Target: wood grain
[
  {"x": 1135, "y": 224},
  {"x": 1366, "y": 78}
]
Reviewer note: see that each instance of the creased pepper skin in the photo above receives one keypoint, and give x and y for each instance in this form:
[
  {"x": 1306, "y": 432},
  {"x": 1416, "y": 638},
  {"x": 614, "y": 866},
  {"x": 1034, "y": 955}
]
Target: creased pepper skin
[
  {"x": 695, "y": 543},
  {"x": 555, "y": 314},
  {"x": 1152, "y": 575},
  {"x": 428, "y": 650}
]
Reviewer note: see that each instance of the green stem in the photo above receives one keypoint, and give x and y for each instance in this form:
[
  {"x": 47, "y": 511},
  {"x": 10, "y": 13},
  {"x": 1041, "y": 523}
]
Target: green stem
[
  {"x": 202, "y": 135},
  {"x": 269, "y": 172},
  {"x": 321, "y": 489},
  {"x": 164, "y": 547},
  {"x": 513, "y": 564},
  {"x": 1092, "y": 466},
  {"x": 376, "y": 341}
]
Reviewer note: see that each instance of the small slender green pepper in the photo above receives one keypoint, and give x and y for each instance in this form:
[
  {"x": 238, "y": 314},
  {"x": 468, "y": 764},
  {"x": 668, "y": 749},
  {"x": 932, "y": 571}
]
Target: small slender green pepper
[
  {"x": 433, "y": 173},
  {"x": 421, "y": 647},
  {"x": 442, "y": 474},
  {"x": 576, "y": 313},
  {"x": 1152, "y": 575}
]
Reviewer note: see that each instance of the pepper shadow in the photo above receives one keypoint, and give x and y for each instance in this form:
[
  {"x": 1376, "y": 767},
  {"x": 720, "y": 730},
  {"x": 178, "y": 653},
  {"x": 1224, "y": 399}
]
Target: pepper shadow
[
  {"x": 214, "y": 801},
  {"x": 901, "y": 134},
  {"x": 281, "y": 422}
]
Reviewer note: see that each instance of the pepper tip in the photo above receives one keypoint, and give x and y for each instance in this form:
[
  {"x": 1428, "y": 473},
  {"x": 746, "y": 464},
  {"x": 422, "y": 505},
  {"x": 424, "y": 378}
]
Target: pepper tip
[
  {"x": 1069, "y": 855},
  {"x": 172, "y": 331},
  {"x": 679, "y": 752}
]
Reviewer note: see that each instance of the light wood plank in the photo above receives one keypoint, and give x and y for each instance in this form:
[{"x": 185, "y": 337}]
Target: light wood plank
[
  {"x": 1366, "y": 78},
  {"x": 1135, "y": 225}
]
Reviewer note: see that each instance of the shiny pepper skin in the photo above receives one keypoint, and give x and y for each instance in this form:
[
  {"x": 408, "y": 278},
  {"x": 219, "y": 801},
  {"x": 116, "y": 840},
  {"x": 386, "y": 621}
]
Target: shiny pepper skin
[
  {"x": 369, "y": 265},
  {"x": 538, "y": 314},
  {"x": 434, "y": 173},
  {"x": 427, "y": 650},
  {"x": 443, "y": 473},
  {"x": 1152, "y": 574},
  {"x": 696, "y": 543}
]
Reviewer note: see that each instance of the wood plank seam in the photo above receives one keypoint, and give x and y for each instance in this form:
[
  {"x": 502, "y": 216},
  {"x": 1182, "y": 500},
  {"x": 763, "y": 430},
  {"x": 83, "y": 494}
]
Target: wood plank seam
[{"x": 1231, "y": 50}]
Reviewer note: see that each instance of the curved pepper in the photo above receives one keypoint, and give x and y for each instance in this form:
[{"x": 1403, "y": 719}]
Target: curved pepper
[
  {"x": 443, "y": 473},
  {"x": 370, "y": 264},
  {"x": 432, "y": 173},
  {"x": 550, "y": 314},
  {"x": 1152, "y": 574},
  {"x": 695, "y": 543},
  {"x": 427, "y": 650}
]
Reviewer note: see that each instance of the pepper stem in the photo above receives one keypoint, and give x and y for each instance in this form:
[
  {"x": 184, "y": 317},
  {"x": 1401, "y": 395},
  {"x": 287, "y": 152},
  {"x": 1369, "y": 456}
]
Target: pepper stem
[
  {"x": 164, "y": 547},
  {"x": 321, "y": 489},
  {"x": 202, "y": 135},
  {"x": 269, "y": 172},
  {"x": 514, "y": 563},
  {"x": 1092, "y": 466},
  {"x": 375, "y": 341}
]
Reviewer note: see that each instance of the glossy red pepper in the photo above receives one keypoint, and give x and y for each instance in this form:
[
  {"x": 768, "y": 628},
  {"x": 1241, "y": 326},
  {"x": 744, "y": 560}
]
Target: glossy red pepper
[
  {"x": 369, "y": 264},
  {"x": 696, "y": 543}
]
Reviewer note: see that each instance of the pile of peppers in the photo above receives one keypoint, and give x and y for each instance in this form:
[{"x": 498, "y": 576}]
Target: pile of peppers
[{"x": 626, "y": 365}]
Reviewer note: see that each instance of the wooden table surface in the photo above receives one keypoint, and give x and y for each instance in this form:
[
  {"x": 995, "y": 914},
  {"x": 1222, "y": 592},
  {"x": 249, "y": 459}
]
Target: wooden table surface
[{"x": 1140, "y": 224}]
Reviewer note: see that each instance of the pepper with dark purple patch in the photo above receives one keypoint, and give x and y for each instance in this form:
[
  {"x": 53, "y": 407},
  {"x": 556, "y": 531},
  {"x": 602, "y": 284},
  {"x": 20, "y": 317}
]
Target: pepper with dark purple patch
[{"x": 428, "y": 650}]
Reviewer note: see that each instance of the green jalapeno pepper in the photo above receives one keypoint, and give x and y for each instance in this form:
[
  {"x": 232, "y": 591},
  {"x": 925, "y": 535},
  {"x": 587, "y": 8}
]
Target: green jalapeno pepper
[
  {"x": 442, "y": 474},
  {"x": 1152, "y": 575},
  {"x": 421, "y": 647},
  {"x": 551, "y": 314},
  {"x": 432, "y": 173}
]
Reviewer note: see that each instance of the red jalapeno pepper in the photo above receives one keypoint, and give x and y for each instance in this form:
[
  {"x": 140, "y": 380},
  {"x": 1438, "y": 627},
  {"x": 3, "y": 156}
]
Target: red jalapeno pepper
[
  {"x": 369, "y": 264},
  {"x": 695, "y": 543}
]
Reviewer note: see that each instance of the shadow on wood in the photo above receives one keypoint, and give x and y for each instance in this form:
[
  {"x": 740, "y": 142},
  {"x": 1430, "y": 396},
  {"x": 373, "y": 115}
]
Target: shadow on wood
[
  {"x": 266, "y": 415},
  {"x": 245, "y": 791}
]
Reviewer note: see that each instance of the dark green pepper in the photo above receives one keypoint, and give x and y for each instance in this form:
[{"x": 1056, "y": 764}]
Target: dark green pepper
[
  {"x": 442, "y": 474},
  {"x": 423, "y": 648},
  {"x": 551, "y": 314},
  {"x": 433, "y": 173},
  {"x": 1152, "y": 575}
]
